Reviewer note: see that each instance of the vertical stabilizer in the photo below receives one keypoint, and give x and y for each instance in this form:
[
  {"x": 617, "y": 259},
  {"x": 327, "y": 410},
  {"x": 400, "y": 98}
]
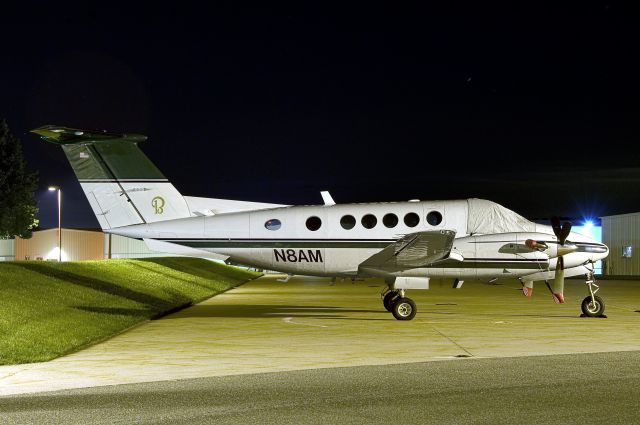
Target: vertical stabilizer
[{"x": 122, "y": 185}]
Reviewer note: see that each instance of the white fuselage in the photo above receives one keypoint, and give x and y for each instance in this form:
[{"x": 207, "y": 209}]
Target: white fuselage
[{"x": 280, "y": 239}]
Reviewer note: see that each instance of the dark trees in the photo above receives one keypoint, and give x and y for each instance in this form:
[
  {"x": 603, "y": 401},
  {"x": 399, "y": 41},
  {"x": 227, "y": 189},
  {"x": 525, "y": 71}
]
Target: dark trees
[{"x": 17, "y": 186}]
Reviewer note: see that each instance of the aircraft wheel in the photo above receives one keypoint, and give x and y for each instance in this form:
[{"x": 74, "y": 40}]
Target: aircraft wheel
[
  {"x": 593, "y": 308},
  {"x": 389, "y": 299},
  {"x": 404, "y": 309}
]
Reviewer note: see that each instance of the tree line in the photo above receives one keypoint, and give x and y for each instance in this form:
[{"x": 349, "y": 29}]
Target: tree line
[{"x": 18, "y": 207}]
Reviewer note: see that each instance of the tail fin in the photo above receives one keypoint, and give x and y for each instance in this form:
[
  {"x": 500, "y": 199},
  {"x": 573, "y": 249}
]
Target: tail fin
[{"x": 120, "y": 182}]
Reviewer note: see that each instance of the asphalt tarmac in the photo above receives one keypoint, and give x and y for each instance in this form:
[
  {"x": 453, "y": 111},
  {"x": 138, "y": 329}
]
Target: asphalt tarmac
[
  {"x": 309, "y": 351},
  {"x": 567, "y": 389}
]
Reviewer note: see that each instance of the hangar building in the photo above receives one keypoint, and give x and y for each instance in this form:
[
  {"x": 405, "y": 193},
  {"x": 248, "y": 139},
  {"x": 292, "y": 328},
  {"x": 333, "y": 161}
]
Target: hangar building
[
  {"x": 621, "y": 233},
  {"x": 7, "y": 249},
  {"x": 77, "y": 244}
]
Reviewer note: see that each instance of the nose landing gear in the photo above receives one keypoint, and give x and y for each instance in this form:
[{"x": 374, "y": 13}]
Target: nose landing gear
[{"x": 592, "y": 305}]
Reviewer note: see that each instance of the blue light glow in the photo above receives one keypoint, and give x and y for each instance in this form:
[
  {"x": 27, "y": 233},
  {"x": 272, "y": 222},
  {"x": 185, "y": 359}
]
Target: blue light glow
[{"x": 594, "y": 232}]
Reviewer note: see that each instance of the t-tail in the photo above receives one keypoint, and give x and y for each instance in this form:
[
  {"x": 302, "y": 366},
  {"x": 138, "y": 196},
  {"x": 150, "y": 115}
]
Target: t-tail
[{"x": 122, "y": 185}]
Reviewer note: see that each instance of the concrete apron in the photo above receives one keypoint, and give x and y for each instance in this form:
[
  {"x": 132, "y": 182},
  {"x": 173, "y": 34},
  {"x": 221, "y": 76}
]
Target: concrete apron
[{"x": 308, "y": 323}]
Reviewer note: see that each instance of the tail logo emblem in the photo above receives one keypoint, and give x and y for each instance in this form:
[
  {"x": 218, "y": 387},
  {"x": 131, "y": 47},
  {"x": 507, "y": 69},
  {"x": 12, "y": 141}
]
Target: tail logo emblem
[{"x": 158, "y": 204}]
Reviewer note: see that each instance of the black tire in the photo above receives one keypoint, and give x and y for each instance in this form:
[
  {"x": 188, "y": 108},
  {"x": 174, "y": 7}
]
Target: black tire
[
  {"x": 404, "y": 309},
  {"x": 389, "y": 299},
  {"x": 593, "y": 309}
]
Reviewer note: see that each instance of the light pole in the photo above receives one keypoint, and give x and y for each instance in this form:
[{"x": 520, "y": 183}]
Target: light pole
[{"x": 51, "y": 189}]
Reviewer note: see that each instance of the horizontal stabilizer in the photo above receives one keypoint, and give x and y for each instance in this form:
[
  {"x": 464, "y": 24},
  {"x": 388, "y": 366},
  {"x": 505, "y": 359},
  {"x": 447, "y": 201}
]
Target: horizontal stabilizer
[
  {"x": 172, "y": 248},
  {"x": 67, "y": 136}
]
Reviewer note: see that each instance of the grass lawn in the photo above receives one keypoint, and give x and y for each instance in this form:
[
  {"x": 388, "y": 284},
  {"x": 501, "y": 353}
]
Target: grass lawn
[{"x": 50, "y": 309}]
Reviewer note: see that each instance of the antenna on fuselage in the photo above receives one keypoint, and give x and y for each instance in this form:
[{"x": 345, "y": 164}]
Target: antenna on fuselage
[{"x": 326, "y": 197}]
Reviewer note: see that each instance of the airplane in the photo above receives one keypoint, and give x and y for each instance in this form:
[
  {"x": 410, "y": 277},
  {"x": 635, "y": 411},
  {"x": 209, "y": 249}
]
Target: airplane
[{"x": 405, "y": 243}]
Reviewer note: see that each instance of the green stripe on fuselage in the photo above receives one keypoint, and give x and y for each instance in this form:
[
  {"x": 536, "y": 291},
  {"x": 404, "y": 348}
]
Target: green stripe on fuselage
[
  {"x": 280, "y": 244},
  {"x": 476, "y": 263}
]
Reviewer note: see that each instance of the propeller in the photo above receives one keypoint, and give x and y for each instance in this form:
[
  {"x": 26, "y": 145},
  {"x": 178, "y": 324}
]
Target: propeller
[{"x": 561, "y": 232}]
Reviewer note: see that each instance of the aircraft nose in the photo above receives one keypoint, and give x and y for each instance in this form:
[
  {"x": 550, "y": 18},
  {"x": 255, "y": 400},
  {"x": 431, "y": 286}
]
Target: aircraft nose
[
  {"x": 605, "y": 254},
  {"x": 596, "y": 250},
  {"x": 600, "y": 252}
]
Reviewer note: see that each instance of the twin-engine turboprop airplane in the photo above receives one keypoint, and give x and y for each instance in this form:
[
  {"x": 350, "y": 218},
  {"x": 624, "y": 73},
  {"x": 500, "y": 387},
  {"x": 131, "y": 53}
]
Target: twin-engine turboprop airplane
[{"x": 406, "y": 243}]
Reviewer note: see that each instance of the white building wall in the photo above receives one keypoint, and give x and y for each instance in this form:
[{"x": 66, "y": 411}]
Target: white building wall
[
  {"x": 7, "y": 249},
  {"x": 619, "y": 231}
]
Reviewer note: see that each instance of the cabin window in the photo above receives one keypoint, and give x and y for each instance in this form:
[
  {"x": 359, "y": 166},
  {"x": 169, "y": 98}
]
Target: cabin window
[
  {"x": 348, "y": 222},
  {"x": 390, "y": 220},
  {"x": 273, "y": 224},
  {"x": 434, "y": 218},
  {"x": 411, "y": 219},
  {"x": 369, "y": 221},
  {"x": 314, "y": 223}
]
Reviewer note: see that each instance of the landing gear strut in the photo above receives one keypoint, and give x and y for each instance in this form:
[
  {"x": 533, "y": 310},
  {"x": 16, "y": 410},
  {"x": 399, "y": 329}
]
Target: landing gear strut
[
  {"x": 401, "y": 307},
  {"x": 592, "y": 305}
]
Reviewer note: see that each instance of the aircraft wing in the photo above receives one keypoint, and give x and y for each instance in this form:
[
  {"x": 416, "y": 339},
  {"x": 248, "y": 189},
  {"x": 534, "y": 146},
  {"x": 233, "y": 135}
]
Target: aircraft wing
[{"x": 414, "y": 250}]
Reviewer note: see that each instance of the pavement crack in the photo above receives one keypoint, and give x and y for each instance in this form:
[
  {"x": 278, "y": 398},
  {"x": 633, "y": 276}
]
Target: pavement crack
[{"x": 452, "y": 341}]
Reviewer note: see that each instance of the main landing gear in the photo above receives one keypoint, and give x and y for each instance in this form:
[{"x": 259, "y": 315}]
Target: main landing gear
[
  {"x": 592, "y": 305},
  {"x": 401, "y": 307}
]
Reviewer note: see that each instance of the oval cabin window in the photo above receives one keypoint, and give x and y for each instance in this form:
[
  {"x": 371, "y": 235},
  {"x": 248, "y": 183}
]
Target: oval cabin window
[
  {"x": 314, "y": 223},
  {"x": 348, "y": 222},
  {"x": 273, "y": 224},
  {"x": 390, "y": 220},
  {"x": 411, "y": 219},
  {"x": 434, "y": 218},
  {"x": 369, "y": 221}
]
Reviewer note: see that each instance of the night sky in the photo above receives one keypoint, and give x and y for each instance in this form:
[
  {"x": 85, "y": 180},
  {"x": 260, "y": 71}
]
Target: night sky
[{"x": 536, "y": 109}]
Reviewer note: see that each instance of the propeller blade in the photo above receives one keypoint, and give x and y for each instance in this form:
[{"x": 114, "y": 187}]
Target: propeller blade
[
  {"x": 561, "y": 231},
  {"x": 564, "y": 233},
  {"x": 557, "y": 289},
  {"x": 555, "y": 225}
]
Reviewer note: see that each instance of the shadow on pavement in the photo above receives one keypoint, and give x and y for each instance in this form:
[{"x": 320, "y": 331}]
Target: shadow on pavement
[{"x": 265, "y": 311}]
